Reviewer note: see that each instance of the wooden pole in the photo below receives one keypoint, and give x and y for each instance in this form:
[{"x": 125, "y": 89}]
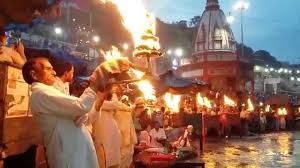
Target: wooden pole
[{"x": 202, "y": 133}]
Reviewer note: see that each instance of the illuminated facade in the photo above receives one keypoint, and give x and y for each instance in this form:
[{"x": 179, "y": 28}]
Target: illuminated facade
[{"x": 215, "y": 58}]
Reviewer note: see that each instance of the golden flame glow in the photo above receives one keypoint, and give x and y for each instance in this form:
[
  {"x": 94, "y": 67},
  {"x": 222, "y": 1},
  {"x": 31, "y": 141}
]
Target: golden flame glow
[
  {"x": 172, "y": 101},
  {"x": 228, "y": 101},
  {"x": 207, "y": 102},
  {"x": 267, "y": 109},
  {"x": 138, "y": 21},
  {"x": 200, "y": 100},
  {"x": 250, "y": 105},
  {"x": 145, "y": 86},
  {"x": 138, "y": 74},
  {"x": 112, "y": 54},
  {"x": 282, "y": 111},
  {"x": 203, "y": 101},
  {"x": 147, "y": 89}
]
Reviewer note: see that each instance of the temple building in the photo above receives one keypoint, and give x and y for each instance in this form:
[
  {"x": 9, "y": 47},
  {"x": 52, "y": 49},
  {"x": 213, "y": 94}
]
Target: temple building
[{"x": 215, "y": 58}]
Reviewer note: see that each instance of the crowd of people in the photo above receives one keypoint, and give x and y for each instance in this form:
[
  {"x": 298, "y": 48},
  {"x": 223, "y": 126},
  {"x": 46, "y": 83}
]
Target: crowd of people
[
  {"x": 95, "y": 129},
  {"x": 98, "y": 126}
]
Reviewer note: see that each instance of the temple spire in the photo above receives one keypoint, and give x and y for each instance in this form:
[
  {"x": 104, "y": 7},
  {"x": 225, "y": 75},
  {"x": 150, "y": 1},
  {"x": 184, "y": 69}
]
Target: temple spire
[{"x": 212, "y": 4}]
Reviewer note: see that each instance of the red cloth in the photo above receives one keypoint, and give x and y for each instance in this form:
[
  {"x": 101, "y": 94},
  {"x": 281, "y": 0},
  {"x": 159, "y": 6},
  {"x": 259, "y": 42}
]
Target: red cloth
[{"x": 162, "y": 157}]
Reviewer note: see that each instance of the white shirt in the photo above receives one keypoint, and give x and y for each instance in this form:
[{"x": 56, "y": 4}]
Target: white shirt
[
  {"x": 106, "y": 132},
  {"x": 160, "y": 134},
  {"x": 64, "y": 87},
  {"x": 67, "y": 145}
]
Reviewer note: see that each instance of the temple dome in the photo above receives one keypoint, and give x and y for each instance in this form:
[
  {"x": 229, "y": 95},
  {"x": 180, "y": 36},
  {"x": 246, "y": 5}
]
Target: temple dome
[{"x": 214, "y": 32}]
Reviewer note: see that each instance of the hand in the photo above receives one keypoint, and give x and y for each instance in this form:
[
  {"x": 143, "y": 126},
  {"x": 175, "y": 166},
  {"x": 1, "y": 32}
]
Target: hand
[{"x": 19, "y": 47}]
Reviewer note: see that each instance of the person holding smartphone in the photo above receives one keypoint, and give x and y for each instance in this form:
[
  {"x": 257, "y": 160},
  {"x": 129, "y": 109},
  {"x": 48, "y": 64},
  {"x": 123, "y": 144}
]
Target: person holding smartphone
[{"x": 15, "y": 54}]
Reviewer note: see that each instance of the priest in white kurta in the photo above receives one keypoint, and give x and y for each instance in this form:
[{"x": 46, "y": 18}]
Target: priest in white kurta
[
  {"x": 67, "y": 146},
  {"x": 128, "y": 135},
  {"x": 106, "y": 132}
]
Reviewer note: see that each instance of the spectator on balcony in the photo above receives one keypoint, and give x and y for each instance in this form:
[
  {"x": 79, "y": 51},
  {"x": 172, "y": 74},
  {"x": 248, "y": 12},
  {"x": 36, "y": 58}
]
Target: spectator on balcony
[{"x": 14, "y": 54}]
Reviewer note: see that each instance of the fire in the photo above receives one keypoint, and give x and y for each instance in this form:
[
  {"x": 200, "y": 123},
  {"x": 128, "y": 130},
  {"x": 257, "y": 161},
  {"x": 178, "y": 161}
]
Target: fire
[
  {"x": 112, "y": 54},
  {"x": 207, "y": 102},
  {"x": 147, "y": 89},
  {"x": 203, "y": 101},
  {"x": 200, "y": 100},
  {"x": 282, "y": 111},
  {"x": 138, "y": 21},
  {"x": 145, "y": 86},
  {"x": 267, "y": 109},
  {"x": 228, "y": 101},
  {"x": 172, "y": 101},
  {"x": 250, "y": 105},
  {"x": 137, "y": 73}
]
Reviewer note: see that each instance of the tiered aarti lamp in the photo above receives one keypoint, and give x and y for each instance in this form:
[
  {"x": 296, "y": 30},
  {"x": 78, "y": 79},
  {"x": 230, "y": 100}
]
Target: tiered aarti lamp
[{"x": 148, "y": 44}]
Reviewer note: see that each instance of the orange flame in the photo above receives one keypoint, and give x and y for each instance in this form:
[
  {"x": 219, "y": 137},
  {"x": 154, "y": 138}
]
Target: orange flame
[
  {"x": 228, "y": 101},
  {"x": 113, "y": 53},
  {"x": 250, "y": 105},
  {"x": 207, "y": 102},
  {"x": 137, "y": 73},
  {"x": 282, "y": 111},
  {"x": 200, "y": 100},
  {"x": 138, "y": 21},
  {"x": 203, "y": 101},
  {"x": 172, "y": 101},
  {"x": 147, "y": 89},
  {"x": 267, "y": 109},
  {"x": 145, "y": 86}
]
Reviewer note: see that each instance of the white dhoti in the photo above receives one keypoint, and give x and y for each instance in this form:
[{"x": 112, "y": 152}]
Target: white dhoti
[{"x": 126, "y": 156}]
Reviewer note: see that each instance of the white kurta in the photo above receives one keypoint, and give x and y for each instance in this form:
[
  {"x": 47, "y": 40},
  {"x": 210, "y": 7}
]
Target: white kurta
[
  {"x": 63, "y": 87},
  {"x": 160, "y": 134},
  {"x": 106, "y": 132},
  {"x": 128, "y": 135},
  {"x": 67, "y": 146}
]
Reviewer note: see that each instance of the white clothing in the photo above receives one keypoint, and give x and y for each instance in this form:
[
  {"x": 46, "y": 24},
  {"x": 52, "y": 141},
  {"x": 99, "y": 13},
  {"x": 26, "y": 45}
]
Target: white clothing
[
  {"x": 128, "y": 135},
  {"x": 67, "y": 146},
  {"x": 160, "y": 134},
  {"x": 106, "y": 132},
  {"x": 126, "y": 155},
  {"x": 145, "y": 138},
  {"x": 62, "y": 86}
]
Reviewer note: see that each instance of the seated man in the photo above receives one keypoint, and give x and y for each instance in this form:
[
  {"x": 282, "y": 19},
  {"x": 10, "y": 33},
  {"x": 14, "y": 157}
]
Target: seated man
[
  {"x": 13, "y": 55},
  {"x": 145, "y": 138},
  {"x": 158, "y": 136},
  {"x": 185, "y": 139}
]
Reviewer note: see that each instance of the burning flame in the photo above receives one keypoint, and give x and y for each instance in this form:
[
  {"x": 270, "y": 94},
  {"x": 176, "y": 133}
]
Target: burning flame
[
  {"x": 282, "y": 111},
  {"x": 147, "y": 89},
  {"x": 172, "y": 101},
  {"x": 228, "y": 101},
  {"x": 207, "y": 102},
  {"x": 267, "y": 109},
  {"x": 200, "y": 100},
  {"x": 138, "y": 74},
  {"x": 250, "y": 105},
  {"x": 145, "y": 86},
  {"x": 112, "y": 54},
  {"x": 138, "y": 21},
  {"x": 203, "y": 101}
]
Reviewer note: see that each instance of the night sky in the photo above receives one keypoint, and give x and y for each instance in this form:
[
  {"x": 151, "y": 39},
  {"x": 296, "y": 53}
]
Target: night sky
[{"x": 272, "y": 25}]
